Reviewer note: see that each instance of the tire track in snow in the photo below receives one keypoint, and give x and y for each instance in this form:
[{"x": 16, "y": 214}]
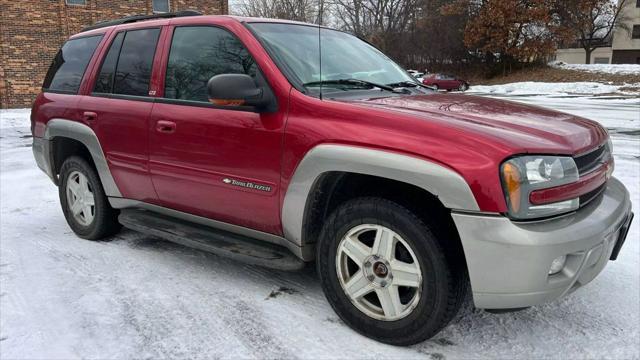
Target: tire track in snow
[{"x": 246, "y": 323}]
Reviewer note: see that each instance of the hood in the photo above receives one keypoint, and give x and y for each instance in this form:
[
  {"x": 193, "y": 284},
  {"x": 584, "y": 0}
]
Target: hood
[{"x": 525, "y": 128}]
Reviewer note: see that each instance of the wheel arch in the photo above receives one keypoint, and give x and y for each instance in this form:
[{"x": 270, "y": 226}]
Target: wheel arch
[
  {"x": 322, "y": 169},
  {"x": 336, "y": 188},
  {"x": 64, "y": 138}
]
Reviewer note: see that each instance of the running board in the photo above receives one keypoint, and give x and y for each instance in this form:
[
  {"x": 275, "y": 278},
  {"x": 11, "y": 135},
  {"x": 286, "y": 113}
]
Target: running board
[{"x": 219, "y": 242}]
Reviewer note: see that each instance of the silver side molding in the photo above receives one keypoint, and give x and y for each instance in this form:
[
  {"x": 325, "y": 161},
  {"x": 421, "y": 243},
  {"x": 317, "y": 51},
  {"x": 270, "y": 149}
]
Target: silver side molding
[
  {"x": 305, "y": 253},
  {"x": 84, "y": 134},
  {"x": 449, "y": 186}
]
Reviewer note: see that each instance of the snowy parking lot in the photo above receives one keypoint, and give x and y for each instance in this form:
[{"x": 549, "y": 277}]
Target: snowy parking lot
[{"x": 140, "y": 297}]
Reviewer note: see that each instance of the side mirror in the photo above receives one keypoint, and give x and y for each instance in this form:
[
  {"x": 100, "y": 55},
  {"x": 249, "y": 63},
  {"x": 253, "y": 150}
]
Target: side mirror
[{"x": 235, "y": 90}]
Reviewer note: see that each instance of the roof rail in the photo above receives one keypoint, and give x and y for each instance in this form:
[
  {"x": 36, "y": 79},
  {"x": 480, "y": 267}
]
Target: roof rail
[{"x": 136, "y": 18}]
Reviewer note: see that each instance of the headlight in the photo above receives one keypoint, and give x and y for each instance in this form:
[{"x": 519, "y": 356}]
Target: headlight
[{"x": 522, "y": 175}]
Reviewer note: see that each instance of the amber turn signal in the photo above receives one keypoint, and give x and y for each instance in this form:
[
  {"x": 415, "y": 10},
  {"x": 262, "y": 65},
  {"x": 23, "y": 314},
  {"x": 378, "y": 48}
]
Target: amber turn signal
[
  {"x": 225, "y": 102},
  {"x": 512, "y": 181}
]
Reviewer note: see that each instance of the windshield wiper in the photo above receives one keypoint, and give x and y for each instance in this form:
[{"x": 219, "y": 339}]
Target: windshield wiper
[
  {"x": 352, "y": 82},
  {"x": 409, "y": 84}
]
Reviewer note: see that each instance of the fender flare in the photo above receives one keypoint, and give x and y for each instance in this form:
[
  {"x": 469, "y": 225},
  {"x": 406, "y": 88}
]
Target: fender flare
[
  {"x": 85, "y": 135},
  {"x": 449, "y": 186}
]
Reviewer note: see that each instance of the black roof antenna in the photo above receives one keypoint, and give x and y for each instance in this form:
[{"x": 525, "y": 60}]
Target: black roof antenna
[
  {"x": 320, "y": 54},
  {"x": 136, "y": 18}
]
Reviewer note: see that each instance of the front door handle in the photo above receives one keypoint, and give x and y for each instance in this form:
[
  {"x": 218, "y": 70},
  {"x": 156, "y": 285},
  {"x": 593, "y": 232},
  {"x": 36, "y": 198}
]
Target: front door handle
[
  {"x": 89, "y": 116},
  {"x": 164, "y": 126}
]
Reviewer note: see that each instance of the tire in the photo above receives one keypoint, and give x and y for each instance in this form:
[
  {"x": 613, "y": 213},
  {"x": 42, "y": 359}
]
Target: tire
[
  {"x": 436, "y": 87},
  {"x": 442, "y": 288},
  {"x": 103, "y": 221},
  {"x": 463, "y": 87}
]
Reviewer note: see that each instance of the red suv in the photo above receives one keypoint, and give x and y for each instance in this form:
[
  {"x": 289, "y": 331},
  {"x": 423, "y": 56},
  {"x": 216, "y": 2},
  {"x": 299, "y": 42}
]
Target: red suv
[{"x": 281, "y": 143}]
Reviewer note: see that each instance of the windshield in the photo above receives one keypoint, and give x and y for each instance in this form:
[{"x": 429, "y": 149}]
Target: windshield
[{"x": 344, "y": 57}]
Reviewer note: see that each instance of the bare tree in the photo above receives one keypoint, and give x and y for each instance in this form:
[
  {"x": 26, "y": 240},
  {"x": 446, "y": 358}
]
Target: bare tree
[
  {"x": 590, "y": 22},
  {"x": 312, "y": 11},
  {"x": 437, "y": 38},
  {"x": 386, "y": 23}
]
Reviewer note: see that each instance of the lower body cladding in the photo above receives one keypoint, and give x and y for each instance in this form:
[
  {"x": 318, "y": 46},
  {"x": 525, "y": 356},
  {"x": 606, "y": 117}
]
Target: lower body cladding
[
  {"x": 41, "y": 149},
  {"x": 511, "y": 264}
]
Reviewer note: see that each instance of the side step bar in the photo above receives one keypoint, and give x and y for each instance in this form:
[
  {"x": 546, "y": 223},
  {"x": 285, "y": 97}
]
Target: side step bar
[{"x": 208, "y": 239}]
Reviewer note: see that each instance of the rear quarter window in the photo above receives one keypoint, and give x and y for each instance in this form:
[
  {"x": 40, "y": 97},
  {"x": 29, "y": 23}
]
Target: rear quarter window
[{"x": 69, "y": 65}]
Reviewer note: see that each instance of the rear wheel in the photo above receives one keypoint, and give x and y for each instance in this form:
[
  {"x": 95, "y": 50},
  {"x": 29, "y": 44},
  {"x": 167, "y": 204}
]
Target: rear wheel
[
  {"x": 84, "y": 203},
  {"x": 385, "y": 274}
]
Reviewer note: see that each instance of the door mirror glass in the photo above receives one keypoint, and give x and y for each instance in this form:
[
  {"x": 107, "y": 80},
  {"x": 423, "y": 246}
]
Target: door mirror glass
[{"x": 236, "y": 90}]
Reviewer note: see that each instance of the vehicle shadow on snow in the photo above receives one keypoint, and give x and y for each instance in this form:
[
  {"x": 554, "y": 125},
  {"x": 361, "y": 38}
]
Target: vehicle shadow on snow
[
  {"x": 282, "y": 282},
  {"x": 470, "y": 326}
]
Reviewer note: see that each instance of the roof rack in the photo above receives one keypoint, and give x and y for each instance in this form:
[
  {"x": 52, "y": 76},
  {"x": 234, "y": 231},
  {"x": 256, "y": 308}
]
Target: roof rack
[{"x": 136, "y": 18}]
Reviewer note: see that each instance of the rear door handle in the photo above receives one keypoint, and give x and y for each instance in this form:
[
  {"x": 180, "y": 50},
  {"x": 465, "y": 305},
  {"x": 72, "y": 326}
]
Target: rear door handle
[
  {"x": 164, "y": 126},
  {"x": 89, "y": 116}
]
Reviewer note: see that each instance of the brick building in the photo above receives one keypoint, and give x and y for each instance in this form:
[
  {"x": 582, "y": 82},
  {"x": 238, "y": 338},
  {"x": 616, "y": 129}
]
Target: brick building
[{"x": 31, "y": 32}]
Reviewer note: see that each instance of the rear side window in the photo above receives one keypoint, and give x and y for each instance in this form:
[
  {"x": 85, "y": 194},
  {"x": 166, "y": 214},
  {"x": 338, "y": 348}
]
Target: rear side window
[
  {"x": 67, "y": 69},
  {"x": 198, "y": 53},
  {"x": 104, "y": 82},
  {"x": 133, "y": 69}
]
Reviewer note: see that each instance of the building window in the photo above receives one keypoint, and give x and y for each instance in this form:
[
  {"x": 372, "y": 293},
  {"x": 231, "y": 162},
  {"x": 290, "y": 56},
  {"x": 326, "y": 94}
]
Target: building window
[
  {"x": 636, "y": 32},
  {"x": 76, "y": 2},
  {"x": 638, "y": 3},
  {"x": 601, "y": 60},
  {"x": 160, "y": 6}
]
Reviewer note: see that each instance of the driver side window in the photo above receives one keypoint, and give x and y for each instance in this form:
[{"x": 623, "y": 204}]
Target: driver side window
[{"x": 198, "y": 53}]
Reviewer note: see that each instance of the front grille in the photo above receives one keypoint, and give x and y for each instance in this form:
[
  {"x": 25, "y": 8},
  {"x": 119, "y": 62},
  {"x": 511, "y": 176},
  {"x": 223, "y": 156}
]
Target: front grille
[
  {"x": 592, "y": 195},
  {"x": 590, "y": 161}
]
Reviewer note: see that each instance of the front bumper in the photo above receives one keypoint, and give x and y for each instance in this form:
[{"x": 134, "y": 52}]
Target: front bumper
[{"x": 509, "y": 262}]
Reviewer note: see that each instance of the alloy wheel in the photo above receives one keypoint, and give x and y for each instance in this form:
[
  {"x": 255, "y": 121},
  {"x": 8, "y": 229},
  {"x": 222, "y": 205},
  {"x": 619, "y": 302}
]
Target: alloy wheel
[
  {"x": 379, "y": 272},
  {"x": 80, "y": 198}
]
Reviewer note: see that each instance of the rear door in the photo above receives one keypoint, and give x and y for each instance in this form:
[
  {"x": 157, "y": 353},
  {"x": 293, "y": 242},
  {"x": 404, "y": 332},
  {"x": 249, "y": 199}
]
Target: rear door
[
  {"x": 206, "y": 160},
  {"x": 119, "y": 108}
]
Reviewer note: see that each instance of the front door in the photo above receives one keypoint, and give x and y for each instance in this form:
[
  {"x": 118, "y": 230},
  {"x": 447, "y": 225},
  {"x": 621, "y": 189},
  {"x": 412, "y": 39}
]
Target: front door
[{"x": 212, "y": 162}]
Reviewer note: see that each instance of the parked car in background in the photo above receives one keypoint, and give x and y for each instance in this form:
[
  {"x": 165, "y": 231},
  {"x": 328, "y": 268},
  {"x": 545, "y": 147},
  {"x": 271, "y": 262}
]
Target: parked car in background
[
  {"x": 445, "y": 82},
  {"x": 415, "y": 73}
]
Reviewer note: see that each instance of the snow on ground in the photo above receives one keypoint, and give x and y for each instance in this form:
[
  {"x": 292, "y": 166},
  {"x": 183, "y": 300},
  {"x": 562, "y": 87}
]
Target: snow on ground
[
  {"x": 618, "y": 113},
  {"x": 620, "y": 69},
  {"x": 140, "y": 297},
  {"x": 548, "y": 88}
]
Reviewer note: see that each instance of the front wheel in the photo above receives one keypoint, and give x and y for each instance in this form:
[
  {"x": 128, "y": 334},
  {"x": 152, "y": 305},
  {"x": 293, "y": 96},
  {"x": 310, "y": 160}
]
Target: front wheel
[
  {"x": 385, "y": 274},
  {"x": 463, "y": 87},
  {"x": 84, "y": 203}
]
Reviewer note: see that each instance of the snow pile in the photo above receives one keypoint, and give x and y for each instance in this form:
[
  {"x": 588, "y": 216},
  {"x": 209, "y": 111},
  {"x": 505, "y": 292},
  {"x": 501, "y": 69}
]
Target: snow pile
[
  {"x": 619, "y": 69},
  {"x": 546, "y": 88}
]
